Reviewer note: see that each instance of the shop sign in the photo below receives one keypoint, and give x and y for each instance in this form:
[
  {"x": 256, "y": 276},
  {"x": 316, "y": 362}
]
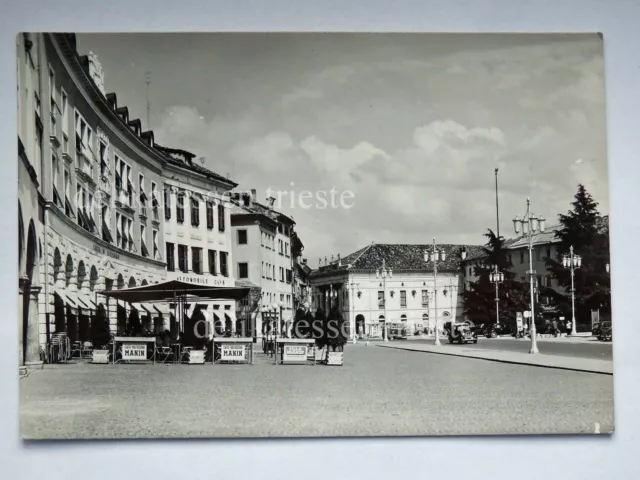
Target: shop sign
[
  {"x": 295, "y": 353},
  {"x": 203, "y": 280},
  {"x": 232, "y": 352},
  {"x": 134, "y": 351},
  {"x": 99, "y": 249}
]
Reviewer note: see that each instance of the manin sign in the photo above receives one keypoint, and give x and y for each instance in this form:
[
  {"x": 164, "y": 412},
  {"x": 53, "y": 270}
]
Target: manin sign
[
  {"x": 231, "y": 352},
  {"x": 134, "y": 351}
]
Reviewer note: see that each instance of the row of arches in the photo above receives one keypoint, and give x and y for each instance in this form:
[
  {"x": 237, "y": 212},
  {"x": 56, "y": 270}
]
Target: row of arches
[{"x": 86, "y": 275}]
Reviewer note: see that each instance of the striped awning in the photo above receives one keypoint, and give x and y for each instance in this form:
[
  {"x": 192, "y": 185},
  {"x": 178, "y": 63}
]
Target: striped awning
[{"x": 141, "y": 307}]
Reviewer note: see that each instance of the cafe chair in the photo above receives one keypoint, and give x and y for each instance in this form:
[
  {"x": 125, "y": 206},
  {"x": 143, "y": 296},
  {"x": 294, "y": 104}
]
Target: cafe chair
[
  {"x": 87, "y": 349},
  {"x": 186, "y": 351},
  {"x": 76, "y": 347},
  {"x": 164, "y": 354}
]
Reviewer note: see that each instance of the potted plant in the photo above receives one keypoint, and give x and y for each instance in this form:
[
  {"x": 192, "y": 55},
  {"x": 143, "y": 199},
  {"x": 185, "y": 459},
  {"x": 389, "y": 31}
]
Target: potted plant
[
  {"x": 318, "y": 332},
  {"x": 100, "y": 336},
  {"x": 337, "y": 335}
]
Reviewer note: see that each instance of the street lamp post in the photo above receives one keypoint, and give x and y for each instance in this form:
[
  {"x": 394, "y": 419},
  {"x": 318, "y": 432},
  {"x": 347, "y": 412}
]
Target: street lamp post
[
  {"x": 572, "y": 262},
  {"x": 435, "y": 256},
  {"x": 354, "y": 287},
  {"x": 529, "y": 224},
  {"x": 497, "y": 277},
  {"x": 383, "y": 272}
]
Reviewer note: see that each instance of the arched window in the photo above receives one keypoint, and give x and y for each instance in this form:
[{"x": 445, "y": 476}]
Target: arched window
[
  {"x": 120, "y": 283},
  {"x": 446, "y": 314},
  {"x": 132, "y": 282},
  {"x": 403, "y": 318},
  {"x": 82, "y": 273},
  {"x": 57, "y": 264},
  {"x": 381, "y": 318},
  {"x": 93, "y": 278},
  {"x": 68, "y": 270}
]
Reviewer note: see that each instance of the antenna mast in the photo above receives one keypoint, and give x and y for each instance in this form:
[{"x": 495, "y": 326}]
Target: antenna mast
[{"x": 148, "y": 82}]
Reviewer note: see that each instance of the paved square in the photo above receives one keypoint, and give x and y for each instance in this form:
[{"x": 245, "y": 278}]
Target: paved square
[{"x": 378, "y": 391}]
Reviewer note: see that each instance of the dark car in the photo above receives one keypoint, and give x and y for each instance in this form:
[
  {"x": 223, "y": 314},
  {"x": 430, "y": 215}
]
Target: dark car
[
  {"x": 605, "y": 333},
  {"x": 494, "y": 330},
  {"x": 462, "y": 333}
]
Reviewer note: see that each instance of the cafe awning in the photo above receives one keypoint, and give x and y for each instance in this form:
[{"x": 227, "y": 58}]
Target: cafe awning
[
  {"x": 172, "y": 289},
  {"x": 141, "y": 308}
]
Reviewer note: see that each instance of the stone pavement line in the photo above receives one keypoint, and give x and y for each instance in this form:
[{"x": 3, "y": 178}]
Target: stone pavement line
[{"x": 539, "y": 360}]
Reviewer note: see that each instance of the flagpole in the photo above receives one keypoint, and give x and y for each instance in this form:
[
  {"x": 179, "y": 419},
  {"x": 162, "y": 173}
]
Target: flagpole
[{"x": 497, "y": 209}]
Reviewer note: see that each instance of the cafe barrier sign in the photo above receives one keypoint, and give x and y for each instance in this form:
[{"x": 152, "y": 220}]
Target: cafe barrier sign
[
  {"x": 295, "y": 353},
  {"x": 231, "y": 352},
  {"x": 134, "y": 351}
]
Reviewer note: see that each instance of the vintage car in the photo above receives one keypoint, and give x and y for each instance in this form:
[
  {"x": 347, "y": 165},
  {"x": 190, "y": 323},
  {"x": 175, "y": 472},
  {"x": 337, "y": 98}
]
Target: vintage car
[
  {"x": 494, "y": 330},
  {"x": 605, "y": 332},
  {"x": 462, "y": 332}
]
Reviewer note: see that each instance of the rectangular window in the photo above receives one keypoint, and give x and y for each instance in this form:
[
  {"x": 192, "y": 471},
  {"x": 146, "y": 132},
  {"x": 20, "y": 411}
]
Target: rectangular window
[
  {"x": 180, "y": 207},
  {"x": 171, "y": 262},
  {"x": 289, "y": 276},
  {"x": 403, "y": 298},
  {"x": 64, "y": 113},
  {"x": 209, "y": 216},
  {"x": 224, "y": 270},
  {"x": 183, "y": 261},
  {"x": 548, "y": 252},
  {"x": 522, "y": 257},
  {"x": 104, "y": 161},
  {"x": 212, "y": 262},
  {"x": 243, "y": 270},
  {"x": 286, "y": 249},
  {"x": 282, "y": 297},
  {"x": 196, "y": 260},
  {"x": 143, "y": 241},
  {"x": 242, "y": 237},
  {"x": 380, "y": 299},
  {"x": 156, "y": 250},
  {"x": 154, "y": 200},
  {"x": 262, "y": 269},
  {"x": 167, "y": 204},
  {"x": 143, "y": 195},
  {"x": 425, "y": 298},
  {"x": 195, "y": 212},
  {"x": 221, "y": 214},
  {"x": 281, "y": 274},
  {"x": 118, "y": 230},
  {"x": 106, "y": 217}
]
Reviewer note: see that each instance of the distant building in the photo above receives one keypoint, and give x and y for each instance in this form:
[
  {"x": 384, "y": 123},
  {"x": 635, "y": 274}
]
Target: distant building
[
  {"x": 262, "y": 251},
  {"x": 406, "y": 297}
]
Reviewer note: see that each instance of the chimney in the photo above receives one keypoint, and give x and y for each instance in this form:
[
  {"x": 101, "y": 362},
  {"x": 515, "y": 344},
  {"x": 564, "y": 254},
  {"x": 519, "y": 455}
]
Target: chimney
[{"x": 254, "y": 194}]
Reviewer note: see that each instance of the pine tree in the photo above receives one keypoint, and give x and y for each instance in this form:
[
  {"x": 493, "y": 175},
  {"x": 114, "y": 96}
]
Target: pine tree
[
  {"x": 588, "y": 233},
  {"x": 100, "y": 333},
  {"x": 300, "y": 327},
  {"x": 480, "y": 299}
]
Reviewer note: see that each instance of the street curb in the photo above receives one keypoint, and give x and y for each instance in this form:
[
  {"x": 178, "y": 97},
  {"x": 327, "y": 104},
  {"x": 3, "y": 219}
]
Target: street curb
[{"x": 499, "y": 360}]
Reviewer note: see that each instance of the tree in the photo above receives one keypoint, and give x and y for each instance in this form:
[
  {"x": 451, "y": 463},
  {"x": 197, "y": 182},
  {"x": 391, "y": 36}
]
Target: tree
[
  {"x": 588, "y": 233},
  {"x": 100, "y": 333},
  {"x": 318, "y": 329},
  {"x": 301, "y": 328},
  {"x": 480, "y": 298},
  {"x": 134, "y": 328},
  {"x": 336, "y": 330}
]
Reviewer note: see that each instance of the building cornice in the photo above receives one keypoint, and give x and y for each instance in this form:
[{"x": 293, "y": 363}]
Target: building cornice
[
  {"x": 97, "y": 240},
  {"x": 193, "y": 174},
  {"x": 98, "y": 102}
]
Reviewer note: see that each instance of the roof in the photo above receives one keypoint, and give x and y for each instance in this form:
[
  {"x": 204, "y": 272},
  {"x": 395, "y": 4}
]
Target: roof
[
  {"x": 184, "y": 159},
  {"x": 538, "y": 238},
  {"x": 258, "y": 208},
  {"x": 399, "y": 257}
]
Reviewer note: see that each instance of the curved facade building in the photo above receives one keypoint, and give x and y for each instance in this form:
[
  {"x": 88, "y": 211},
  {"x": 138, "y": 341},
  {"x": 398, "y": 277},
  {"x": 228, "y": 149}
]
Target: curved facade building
[{"x": 91, "y": 191}]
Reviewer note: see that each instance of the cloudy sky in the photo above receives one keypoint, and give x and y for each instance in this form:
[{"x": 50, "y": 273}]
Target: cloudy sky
[{"x": 412, "y": 124}]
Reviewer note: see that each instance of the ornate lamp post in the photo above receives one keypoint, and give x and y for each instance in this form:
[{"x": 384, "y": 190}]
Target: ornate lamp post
[
  {"x": 529, "y": 224},
  {"x": 354, "y": 287},
  {"x": 497, "y": 277},
  {"x": 572, "y": 262},
  {"x": 383, "y": 272},
  {"x": 435, "y": 256}
]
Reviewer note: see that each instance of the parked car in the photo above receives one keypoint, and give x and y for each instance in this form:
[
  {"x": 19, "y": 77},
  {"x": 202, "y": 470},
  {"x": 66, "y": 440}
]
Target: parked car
[
  {"x": 494, "y": 329},
  {"x": 605, "y": 333},
  {"x": 461, "y": 333}
]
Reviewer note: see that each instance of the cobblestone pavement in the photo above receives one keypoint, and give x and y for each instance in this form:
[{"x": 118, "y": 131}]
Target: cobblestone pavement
[
  {"x": 379, "y": 391},
  {"x": 579, "y": 348}
]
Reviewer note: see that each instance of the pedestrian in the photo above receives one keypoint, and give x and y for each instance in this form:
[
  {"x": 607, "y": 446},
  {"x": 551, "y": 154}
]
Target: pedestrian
[
  {"x": 569, "y": 325},
  {"x": 555, "y": 328}
]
